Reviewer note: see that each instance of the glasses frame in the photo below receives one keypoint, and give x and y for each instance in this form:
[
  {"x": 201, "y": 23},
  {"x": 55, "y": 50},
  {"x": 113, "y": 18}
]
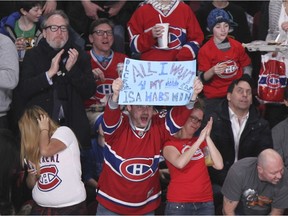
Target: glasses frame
[
  {"x": 63, "y": 28},
  {"x": 195, "y": 120},
  {"x": 102, "y": 32}
]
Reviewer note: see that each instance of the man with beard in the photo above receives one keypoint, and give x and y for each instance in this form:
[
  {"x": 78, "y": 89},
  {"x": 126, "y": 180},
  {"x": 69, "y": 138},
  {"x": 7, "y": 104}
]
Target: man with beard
[{"x": 57, "y": 76}]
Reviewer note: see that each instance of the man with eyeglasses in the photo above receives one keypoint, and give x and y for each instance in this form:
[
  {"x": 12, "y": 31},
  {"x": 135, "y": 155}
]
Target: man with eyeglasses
[
  {"x": 129, "y": 182},
  {"x": 106, "y": 64},
  {"x": 238, "y": 131},
  {"x": 57, "y": 77}
]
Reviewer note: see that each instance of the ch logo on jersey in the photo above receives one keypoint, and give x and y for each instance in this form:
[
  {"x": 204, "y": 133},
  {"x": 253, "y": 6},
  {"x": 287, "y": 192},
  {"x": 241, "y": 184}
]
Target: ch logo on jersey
[
  {"x": 49, "y": 178},
  {"x": 137, "y": 169},
  {"x": 104, "y": 89},
  {"x": 273, "y": 81},
  {"x": 230, "y": 71},
  {"x": 175, "y": 36},
  {"x": 197, "y": 155}
]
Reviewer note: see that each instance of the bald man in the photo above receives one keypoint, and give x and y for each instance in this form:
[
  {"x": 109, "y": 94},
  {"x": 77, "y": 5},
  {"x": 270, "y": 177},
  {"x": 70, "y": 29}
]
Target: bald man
[{"x": 256, "y": 186}]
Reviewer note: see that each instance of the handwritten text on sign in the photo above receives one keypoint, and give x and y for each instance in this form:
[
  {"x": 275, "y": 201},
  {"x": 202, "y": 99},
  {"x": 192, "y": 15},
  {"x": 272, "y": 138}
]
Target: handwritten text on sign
[{"x": 157, "y": 83}]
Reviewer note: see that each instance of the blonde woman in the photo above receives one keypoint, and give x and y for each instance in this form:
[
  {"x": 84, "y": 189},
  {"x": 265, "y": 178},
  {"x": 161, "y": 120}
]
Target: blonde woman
[{"x": 52, "y": 156}]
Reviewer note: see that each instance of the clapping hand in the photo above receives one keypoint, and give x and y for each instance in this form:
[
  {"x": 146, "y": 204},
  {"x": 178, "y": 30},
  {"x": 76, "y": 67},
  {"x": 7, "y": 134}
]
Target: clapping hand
[
  {"x": 209, "y": 127},
  {"x": 73, "y": 56},
  {"x": 54, "y": 68},
  {"x": 205, "y": 133}
]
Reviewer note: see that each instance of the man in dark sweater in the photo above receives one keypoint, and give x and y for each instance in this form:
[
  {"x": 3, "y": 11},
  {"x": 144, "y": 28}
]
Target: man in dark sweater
[{"x": 57, "y": 76}]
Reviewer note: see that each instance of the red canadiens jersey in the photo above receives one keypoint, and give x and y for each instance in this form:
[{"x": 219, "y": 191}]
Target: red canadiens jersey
[
  {"x": 192, "y": 183},
  {"x": 129, "y": 182},
  {"x": 236, "y": 58},
  {"x": 185, "y": 34},
  {"x": 272, "y": 80},
  {"x": 110, "y": 72}
]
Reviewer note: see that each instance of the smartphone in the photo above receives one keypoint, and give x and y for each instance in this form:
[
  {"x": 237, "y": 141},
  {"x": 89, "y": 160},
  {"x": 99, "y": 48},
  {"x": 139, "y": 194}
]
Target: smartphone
[
  {"x": 103, "y": 14},
  {"x": 28, "y": 164}
]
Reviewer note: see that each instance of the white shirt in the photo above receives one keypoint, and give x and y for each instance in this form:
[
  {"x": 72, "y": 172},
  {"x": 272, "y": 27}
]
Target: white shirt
[
  {"x": 60, "y": 182},
  {"x": 282, "y": 18},
  {"x": 238, "y": 125}
]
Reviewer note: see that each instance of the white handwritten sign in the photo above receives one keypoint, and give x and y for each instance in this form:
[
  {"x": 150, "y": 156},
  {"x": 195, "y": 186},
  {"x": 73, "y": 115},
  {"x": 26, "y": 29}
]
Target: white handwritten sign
[{"x": 157, "y": 83}]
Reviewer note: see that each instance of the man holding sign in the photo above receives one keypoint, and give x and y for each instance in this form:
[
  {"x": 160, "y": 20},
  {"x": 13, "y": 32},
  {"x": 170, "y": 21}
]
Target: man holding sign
[
  {"x": 129, "y": 182},
  {"x": 157, "y": 83}
]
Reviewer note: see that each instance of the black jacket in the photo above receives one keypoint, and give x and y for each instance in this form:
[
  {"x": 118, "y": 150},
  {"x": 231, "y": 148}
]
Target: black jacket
[
  {"x": 76, "y": 86},
  {"x": 255, "y": 137}
]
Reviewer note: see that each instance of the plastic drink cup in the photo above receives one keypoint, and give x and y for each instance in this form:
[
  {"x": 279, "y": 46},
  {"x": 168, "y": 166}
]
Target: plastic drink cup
[
  {"x": 21, "y": 53},
  {"x": 207, "y": 155},
  {"x": 163, "y": 41}
]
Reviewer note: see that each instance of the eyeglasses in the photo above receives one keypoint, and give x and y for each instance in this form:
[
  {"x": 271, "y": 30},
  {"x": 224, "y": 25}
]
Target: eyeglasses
[
  {"x": 195, "y": 120},
  {"x": 102, "y": 32},
  {"x": 55, "y": 28}
]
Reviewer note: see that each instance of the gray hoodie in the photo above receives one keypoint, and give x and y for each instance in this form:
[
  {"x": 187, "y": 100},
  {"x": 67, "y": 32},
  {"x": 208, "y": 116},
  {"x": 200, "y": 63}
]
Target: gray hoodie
[{"x": 9, "y": 72}]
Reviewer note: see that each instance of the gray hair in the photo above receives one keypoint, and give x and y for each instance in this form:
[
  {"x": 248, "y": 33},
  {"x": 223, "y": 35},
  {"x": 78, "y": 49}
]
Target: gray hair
[{"x": 56, "y": 12}]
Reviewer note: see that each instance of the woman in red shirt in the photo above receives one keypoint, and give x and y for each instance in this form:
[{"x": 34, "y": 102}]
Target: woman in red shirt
[{"x": 190, "y": 190}]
